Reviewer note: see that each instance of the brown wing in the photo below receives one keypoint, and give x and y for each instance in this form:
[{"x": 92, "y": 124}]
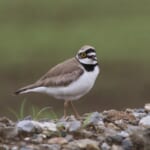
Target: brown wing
[{"x": 62, "y": 74}]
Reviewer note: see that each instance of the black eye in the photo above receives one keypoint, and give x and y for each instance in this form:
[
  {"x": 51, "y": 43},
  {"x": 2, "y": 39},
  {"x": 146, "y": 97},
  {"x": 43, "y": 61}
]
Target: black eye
[{"x": 83, "y": 55}]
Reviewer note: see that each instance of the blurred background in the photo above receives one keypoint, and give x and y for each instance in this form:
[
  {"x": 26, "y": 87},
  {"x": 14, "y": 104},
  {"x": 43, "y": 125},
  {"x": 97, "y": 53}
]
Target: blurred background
[{"x": 35, "y": 35}]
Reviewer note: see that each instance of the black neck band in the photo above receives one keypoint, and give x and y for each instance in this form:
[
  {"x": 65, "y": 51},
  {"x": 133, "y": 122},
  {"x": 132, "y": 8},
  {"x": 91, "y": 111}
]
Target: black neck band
[{"x": 89, "y": 67}]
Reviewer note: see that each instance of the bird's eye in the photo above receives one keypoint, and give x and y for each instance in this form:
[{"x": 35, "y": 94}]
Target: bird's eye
[{"x": 83, "y": 55}]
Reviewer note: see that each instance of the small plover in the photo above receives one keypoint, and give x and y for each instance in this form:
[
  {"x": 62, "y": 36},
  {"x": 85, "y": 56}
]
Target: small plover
[{"x": 69, "y": 80}]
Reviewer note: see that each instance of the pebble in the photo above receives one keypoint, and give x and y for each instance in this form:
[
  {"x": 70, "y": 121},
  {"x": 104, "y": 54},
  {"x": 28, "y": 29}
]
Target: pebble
[
  {"x": 57, "y": 140},
  {"x": 110, "y": 130},
  {"x": 8, "y": 132},
  {"x": 70, "y": 126},
  {"x": 48, "y": 126},
  {"x": 28, "y": 126},
  {"x": 4, "y": 147},
  {"x": 83, "y": 144},
  {"x": 50, "y": 147},
  {"x": 116, "y": 147},
  {"x": 94, "y": 118},
  {"x": 15, "y": 148},
  {"x": 147, "y": 107},
  {"x": 74, "y": 126},
  {"x": 127, "y": 144},
  {"x": 145, "y": 122},
  {"x": 105, "y": 146},
  {"x": 124, "y": 134}
]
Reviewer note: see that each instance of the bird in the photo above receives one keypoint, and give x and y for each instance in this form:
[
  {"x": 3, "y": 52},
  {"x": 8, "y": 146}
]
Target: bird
[{"x": 69, "y": 80}]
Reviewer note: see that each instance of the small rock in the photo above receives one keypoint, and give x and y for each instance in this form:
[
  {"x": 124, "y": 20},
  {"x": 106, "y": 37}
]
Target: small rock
[
  {"x": 28, "y": 126},
  {"x": 94, "y": 119},
  {"x": 57, "y": 140},
  {"x": 4, "y": 147},
  {"x": 138, "y": 139},
  {"x": 29, "y": 147},
  {"x": 114, "y": 115},
  {"x": 145, "y": 122},
  {"x": 48, "y": 125},
  {"x": 69, "y": 138},
  {"x": 15, "y": 148},
  {"x": 147, "y": 107},
  {"x": 105, "y": 146},
  {"x": 124, "y": 134},
  {"x": 50, "y": 147},
  {"x": 121, "y": 124},
  {"x": 85, "y": 133},
  {"x": 6, "y": 121},
  {"x": 71, "y": 126},
  {"x": 117, "y": 139},
  {"x": 27, "y": 139},
  {"x": 113, "y": 126},
  {"x": 62, "y": 125},
  {"x": 37, "y": 138},
  {"x": 8, "y": 132},
  {"x": 116, "y": 147},
  {"x": 127, "y": 144},
  {"x": 83, "y": 144},
  {"x": 74, "y": 126}
]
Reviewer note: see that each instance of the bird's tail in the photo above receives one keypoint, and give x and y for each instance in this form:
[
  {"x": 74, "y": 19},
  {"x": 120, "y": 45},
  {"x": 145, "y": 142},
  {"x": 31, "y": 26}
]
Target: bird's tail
[{"x": 25, "y": 89}]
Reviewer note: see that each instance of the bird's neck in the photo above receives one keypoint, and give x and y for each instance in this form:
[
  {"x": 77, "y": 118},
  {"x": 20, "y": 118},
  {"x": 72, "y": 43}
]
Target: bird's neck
[{"x": 89, "y": 67}]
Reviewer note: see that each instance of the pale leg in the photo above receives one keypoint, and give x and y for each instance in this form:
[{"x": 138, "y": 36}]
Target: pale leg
[
  {"x": 75, "y": 111},
  {"x": 66, "y": 104}
]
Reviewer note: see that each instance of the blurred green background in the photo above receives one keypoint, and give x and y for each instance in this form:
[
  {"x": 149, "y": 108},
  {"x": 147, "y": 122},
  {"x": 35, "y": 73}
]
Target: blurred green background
[{"x": 35, "y": 35}]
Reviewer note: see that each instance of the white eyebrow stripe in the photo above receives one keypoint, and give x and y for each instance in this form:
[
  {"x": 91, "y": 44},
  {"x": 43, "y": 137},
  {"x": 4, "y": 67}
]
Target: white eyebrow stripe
[{"x": 91, "y": 54}]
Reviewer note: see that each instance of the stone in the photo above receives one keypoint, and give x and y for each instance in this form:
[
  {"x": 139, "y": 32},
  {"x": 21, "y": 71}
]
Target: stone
[
  {"x": 94, "y": 118},
  {"x": 116, "y": 147},
  {"x": 70, "y": 126},
  {"x": 15, "y": 148},
  {"x": 29, "y": 147},
  {"x": 57, "y": 140},
  {"x": 121, "y": 124},
  {"x": 145, "y": 122},
  {"x": 37, "y": 138},
  {"x": 82, "y": 144},
  {"x": 147, "y": 107},
  {"x": 50, "y": 147},
  {"x": 74, "y": 126},
  {"x": 85, "y": 133},
  {"x": 28, "y": 126},
  {"x": 6, "y": 121},
  {"x": 69, "y": 138},
  {"x": 127, "y": 144},
  {"x": 124, "y": 134},
  {"x": 105, "y": 146},
  {"x": 4, "y": 147},
  {"x": 48, "y": 126},
  {"x": 117, "y": 139},
  {"x": 114, "y": 115},
  {"x": 8, "y": 132}
]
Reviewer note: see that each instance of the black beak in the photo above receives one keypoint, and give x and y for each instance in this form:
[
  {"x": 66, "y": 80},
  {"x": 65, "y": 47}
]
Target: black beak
[{"x": 94, "y": 58}]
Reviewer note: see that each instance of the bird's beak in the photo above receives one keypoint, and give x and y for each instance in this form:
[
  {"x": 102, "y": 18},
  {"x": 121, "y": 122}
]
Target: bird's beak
[{"x": 94, "y": 58}]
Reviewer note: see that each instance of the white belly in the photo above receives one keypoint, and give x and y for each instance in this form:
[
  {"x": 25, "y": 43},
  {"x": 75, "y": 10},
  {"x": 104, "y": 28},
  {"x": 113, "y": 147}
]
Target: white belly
[{"x": 75, "y": 90}]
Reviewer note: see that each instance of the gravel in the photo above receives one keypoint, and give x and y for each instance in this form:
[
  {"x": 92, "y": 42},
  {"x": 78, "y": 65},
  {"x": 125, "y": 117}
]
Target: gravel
[{"x": 107, "y": 130}]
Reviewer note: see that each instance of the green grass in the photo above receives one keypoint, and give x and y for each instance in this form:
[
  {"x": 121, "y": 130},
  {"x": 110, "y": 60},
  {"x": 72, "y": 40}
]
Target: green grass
[{"x": 35, "y": 112}]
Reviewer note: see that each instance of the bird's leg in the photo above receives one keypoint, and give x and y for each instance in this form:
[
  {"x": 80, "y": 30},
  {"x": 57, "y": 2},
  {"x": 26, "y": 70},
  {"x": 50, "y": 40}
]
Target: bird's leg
[
  {"x": 66, "y": 104},
  {"x": 75, "y": 111}
]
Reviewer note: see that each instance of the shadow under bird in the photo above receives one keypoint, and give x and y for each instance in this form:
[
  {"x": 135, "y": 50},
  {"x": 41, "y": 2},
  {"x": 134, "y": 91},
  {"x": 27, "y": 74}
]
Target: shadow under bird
[{"x": 69, "y": 80}]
